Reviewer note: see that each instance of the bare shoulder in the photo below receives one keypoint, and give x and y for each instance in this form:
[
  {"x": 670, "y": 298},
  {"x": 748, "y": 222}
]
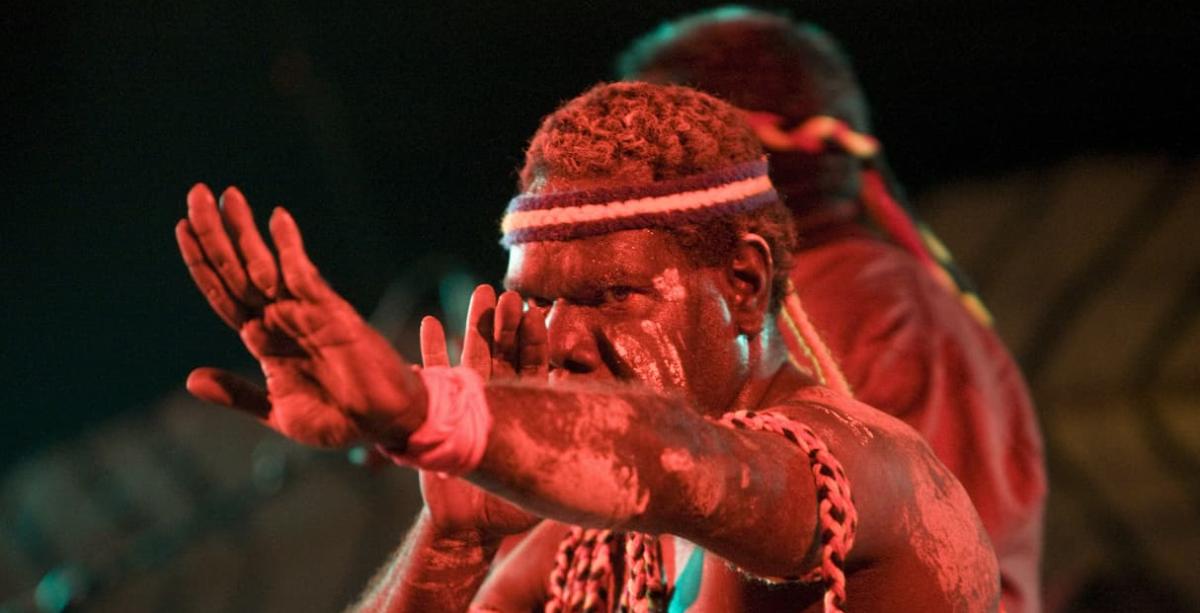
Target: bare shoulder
[{"x": 917, "y": 525}]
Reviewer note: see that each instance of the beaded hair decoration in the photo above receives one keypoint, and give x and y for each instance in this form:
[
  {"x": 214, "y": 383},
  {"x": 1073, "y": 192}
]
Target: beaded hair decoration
[
  {"x": 585, "y": 576},
  {"x": 822, "y": 133}
]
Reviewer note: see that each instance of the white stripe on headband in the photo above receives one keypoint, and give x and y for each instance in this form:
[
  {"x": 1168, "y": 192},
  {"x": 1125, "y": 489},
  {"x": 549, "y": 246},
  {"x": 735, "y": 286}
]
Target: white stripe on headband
[{"x": 679, "y": 202}]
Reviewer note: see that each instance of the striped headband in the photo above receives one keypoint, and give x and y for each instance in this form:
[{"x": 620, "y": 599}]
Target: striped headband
[{"x": 698, "y": 198}]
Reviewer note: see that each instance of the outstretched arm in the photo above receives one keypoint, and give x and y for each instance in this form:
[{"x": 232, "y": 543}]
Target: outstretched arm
[
  {"x": 649, "y": 462},
  {"x": 602, "y": 456},
  {"x": 635, "y": 460}
]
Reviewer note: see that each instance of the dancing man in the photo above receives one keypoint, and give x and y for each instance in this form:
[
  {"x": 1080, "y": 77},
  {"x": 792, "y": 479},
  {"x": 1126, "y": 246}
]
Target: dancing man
[{"x": 638, "y": 405}]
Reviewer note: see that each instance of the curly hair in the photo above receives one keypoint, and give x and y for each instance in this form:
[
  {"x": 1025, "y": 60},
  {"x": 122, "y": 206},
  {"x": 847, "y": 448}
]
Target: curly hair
[
  {"x": 762, "y": 61},
  {"x": 639, "y": 133}
]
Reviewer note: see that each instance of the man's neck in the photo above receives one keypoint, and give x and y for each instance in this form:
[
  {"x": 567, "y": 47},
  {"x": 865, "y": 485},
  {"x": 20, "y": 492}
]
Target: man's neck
[{"x": 772, "y": 377}]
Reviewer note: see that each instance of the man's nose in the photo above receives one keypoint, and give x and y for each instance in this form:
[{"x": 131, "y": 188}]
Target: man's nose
[{"x": 572, "y": 344}]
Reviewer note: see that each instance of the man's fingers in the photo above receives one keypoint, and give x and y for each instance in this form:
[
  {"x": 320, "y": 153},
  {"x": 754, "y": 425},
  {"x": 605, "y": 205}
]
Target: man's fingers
[
  {"x": 260, "y": 263},
  {"x": 299, "y": 275},
  {"x": 433, "y": 343},
  {"x": 505, "y": 351},
  {"x": 477, "y": 349},
  {"x": 535, "y": 344},
  {"x": 209, "y": 282},
  {"x": 227, "y": 389},
  {"x": 214, "y": 241},
  {"x": 264, "y": 343}
]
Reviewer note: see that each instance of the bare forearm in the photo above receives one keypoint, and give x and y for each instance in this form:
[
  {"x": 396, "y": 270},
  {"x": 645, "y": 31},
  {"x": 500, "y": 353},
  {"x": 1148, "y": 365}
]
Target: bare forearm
[
  {"x": 568, "y": 454},
  {"x": 645, "y": 462},
  {"x": 429, "y": 573}
]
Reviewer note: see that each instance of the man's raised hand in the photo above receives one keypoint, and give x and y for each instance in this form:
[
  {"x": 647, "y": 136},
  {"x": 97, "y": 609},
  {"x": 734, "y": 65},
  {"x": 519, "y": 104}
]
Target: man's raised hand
[
  {"x": 500, "y": 341},
  {"x": 331, "y": 379}
]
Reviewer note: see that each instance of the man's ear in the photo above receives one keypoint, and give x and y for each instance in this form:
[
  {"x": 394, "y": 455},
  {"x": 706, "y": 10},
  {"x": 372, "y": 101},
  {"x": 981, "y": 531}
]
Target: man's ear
[{"x": 749, "y": 273}]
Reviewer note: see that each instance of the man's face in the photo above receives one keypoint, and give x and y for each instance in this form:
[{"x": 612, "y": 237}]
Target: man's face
[{"x": 630, "y": 306}]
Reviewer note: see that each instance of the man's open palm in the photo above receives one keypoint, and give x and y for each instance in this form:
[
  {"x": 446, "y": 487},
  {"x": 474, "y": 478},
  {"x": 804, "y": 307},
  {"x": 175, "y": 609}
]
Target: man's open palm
[{"x": 331, "y": 379}]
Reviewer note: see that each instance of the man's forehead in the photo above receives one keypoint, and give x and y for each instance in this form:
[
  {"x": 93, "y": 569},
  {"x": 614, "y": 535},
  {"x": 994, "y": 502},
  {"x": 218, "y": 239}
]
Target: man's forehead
[{"x": 616, "y": 256}]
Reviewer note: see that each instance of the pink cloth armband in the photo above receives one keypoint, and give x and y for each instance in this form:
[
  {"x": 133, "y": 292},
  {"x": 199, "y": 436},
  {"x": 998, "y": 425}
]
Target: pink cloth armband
[{"x": 457, "y": 423}]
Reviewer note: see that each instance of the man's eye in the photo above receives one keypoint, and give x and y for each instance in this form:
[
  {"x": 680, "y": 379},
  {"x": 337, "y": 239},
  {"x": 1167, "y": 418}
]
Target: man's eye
[{"x": 618, "y": 294}]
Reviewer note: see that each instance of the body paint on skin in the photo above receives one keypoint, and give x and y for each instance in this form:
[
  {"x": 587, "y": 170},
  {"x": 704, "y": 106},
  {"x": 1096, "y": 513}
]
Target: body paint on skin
[
  {"x": 639, "y": 361},
  {"x": 670, "y": 286},
  {"x": 946, "y": 544},
  {"x": 649, "y": 356},
  {"x": 668, "y": 353},
  {"x": 676, "y": 460},
  {"x": 861, "y": 431},
  {"x": 605, "y": 488},
  {"x": 579, "y": 469},
  {"x": 702, "y": 496}
]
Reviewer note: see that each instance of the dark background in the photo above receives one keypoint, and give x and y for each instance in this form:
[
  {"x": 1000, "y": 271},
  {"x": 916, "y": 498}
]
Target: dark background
[{"x": 393, "y": 130}]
